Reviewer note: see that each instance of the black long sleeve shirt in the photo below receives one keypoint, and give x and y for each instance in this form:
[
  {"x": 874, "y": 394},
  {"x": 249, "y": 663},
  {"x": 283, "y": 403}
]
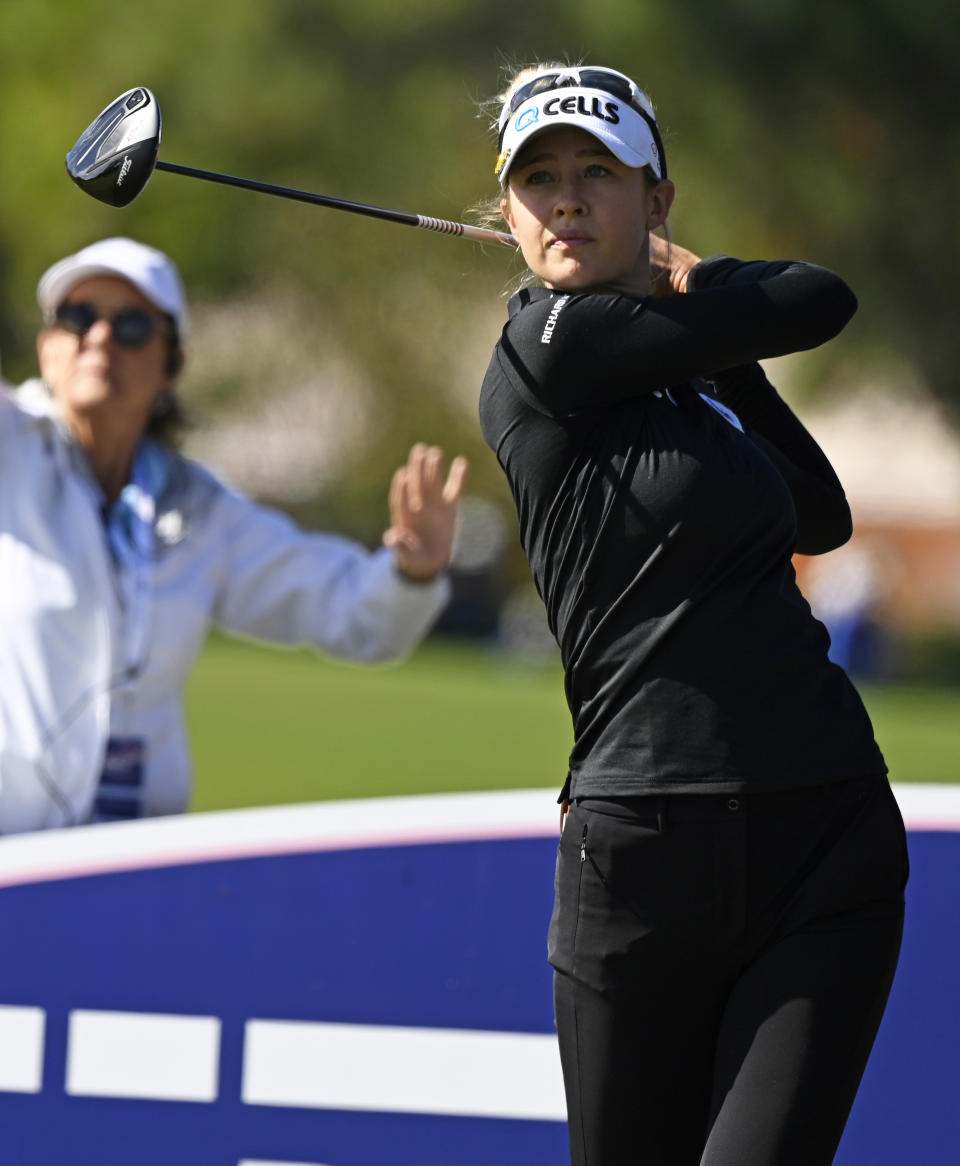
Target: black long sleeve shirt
[{"x": 660, "y": 532}]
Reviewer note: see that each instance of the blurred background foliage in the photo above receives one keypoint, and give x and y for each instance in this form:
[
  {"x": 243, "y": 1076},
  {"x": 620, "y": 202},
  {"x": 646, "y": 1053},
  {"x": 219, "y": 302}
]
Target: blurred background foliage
[{"x": 325, "y": 343}]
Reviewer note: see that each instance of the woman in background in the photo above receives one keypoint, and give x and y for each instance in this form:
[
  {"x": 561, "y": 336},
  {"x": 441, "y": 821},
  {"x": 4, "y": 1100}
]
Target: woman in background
[
  {"x": 730, "y": 877},
  {"x": 118, "y": 555}
]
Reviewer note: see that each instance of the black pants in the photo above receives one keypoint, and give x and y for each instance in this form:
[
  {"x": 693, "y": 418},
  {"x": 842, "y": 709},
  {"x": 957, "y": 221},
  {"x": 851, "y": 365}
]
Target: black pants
[{"x": 722, "y": 964}]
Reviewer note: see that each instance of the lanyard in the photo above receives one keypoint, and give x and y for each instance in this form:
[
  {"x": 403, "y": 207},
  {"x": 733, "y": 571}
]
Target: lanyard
[
  {"x": 136, "y": 583},
  {"x": 132, "y": 537}
]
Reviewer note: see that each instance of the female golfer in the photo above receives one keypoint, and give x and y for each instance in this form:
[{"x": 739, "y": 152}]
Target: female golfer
[
  {"x": 729, "y": 889},
  {"x": 117, "y": 555}
]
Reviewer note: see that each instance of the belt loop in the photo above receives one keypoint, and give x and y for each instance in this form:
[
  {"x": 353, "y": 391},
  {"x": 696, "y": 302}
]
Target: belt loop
[{"x": 661, "y": 815}]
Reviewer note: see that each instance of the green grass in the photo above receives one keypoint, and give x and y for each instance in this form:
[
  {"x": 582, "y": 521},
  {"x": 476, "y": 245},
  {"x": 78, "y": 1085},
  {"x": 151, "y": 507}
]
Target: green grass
[
  {"x": 271, "y": 726},
  {"x": 918, "y": 730}
]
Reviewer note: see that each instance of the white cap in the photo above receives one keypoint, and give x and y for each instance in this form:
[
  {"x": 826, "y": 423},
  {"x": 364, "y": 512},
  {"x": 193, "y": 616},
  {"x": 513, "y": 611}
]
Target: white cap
[
  {"x": 624, "y": 131},
  {"x": 149, "y": 270}
]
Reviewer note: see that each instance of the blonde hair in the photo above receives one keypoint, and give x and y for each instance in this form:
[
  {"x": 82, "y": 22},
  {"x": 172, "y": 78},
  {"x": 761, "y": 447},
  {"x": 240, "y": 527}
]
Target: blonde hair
[
  {"x": 523, "y": 74},
  {"x": 487, "y": 212}
]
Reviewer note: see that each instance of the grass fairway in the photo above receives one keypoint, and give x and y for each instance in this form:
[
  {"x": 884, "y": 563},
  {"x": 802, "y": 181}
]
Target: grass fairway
[
  {"x": 270, "y": 726},
  {"x": 918, "y": 730}
]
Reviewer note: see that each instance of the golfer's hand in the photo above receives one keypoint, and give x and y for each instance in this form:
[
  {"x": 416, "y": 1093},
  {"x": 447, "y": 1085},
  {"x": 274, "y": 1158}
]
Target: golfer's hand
[
  {"x": 423, "y": 510},
  {"x": 669, "y": 266}
]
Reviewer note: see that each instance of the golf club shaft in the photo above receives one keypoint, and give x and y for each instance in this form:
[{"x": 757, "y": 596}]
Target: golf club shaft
[{"x": 444, "y": 226}]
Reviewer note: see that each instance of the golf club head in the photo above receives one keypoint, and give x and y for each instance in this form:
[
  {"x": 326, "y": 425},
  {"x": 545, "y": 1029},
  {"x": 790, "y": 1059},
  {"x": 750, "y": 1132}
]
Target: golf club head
[{"x": 115, "y": 155}]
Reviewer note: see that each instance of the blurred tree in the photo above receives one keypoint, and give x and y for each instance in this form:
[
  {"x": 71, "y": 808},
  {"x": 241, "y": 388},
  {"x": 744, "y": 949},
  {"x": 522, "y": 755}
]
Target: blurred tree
[{"x": 826, "y": 133}]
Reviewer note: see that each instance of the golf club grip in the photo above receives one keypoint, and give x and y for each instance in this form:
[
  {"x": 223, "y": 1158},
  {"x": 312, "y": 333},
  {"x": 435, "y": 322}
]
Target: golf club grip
[{"x": 483, "y": 234}]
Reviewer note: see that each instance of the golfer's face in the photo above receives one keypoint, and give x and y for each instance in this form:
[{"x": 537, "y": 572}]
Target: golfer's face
[{"x": 579, "y": 213}]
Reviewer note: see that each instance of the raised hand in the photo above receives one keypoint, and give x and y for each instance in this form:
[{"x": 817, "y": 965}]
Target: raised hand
[{"x": 423, "y": 510}]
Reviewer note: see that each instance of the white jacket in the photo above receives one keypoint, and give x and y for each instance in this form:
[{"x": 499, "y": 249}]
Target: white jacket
[{"x": 86, "y": 655}]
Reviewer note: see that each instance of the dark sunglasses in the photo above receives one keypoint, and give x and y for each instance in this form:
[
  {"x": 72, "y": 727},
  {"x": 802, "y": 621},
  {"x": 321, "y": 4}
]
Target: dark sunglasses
[
  {"x": 131, "y": 327},
  {"x": 606, "y": 80}
]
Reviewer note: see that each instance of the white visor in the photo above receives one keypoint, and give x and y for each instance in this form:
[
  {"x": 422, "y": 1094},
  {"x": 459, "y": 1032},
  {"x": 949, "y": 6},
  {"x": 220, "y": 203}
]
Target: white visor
[
  {"x": 611, "y": 120},
  {"x": 149, "y": 270}
]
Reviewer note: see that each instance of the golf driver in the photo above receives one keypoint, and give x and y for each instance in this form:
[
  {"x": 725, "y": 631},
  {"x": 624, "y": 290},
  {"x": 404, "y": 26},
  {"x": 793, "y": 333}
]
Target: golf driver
[{"x": 116, "y": 154}]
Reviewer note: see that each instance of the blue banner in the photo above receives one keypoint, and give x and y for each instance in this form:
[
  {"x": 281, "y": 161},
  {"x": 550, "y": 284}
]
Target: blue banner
[{"x": 354, "y": 984}]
